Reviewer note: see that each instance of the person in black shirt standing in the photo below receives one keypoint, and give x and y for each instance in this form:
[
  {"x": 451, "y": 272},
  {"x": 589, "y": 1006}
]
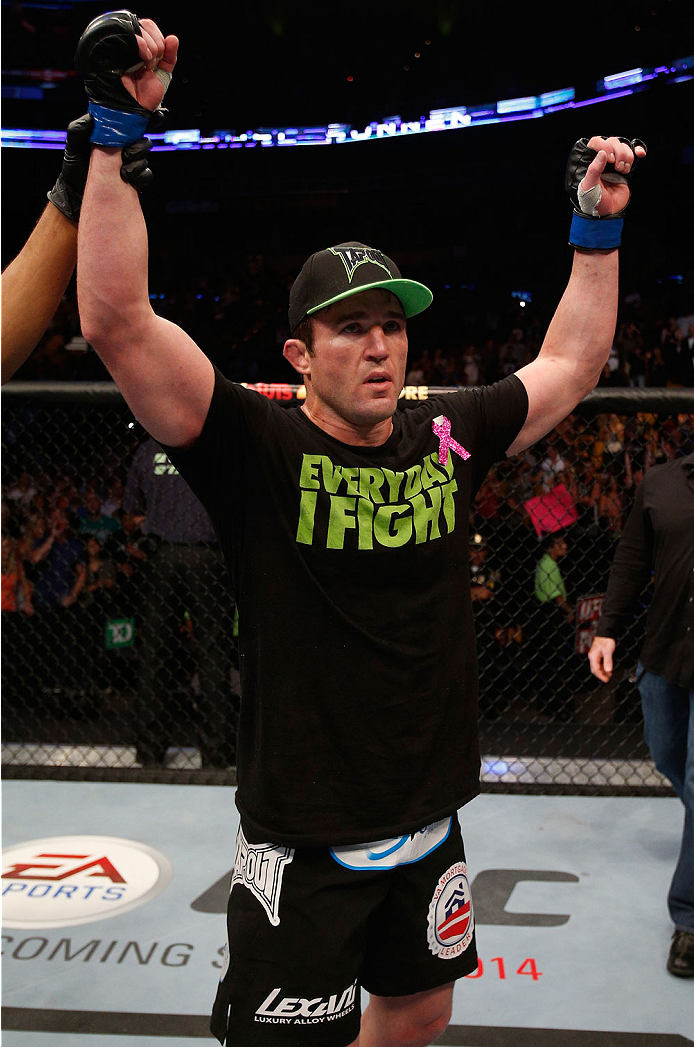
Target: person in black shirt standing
[
  {"x": 344, "y": 525},
  {"x": 658, "y": 538},
  {"x": 185, "y": 569}
]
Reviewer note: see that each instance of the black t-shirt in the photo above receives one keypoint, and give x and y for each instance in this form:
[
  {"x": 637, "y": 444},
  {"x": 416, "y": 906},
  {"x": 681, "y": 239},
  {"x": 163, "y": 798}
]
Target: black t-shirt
[{"x": 350, "y": 569}]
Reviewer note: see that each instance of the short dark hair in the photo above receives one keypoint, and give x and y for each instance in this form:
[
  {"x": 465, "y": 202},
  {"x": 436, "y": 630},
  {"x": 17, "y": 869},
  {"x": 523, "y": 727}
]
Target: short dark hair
[{"x": 304, "y": 332}]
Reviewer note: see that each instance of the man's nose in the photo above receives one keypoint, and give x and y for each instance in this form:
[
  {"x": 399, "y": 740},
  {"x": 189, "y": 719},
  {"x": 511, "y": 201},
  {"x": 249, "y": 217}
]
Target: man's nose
[{"x": 377, "y": 342}]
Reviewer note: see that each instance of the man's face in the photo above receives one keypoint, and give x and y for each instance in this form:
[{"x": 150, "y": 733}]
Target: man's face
[
  {"x": 357, "y": 368},
  {"x": 58, "y": 522}
]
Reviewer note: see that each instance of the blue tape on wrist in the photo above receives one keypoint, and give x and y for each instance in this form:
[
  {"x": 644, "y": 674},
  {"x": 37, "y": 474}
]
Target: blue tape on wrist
[
  {"x": 596, "y": 234},
  {"x": 115, "y": 127}
]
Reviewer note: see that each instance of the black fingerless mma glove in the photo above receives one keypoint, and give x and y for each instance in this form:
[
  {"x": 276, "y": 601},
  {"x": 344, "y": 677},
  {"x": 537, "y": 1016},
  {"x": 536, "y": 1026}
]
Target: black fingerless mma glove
[
  {"x": 106, "y": 51},
  {"x": 589, "y": 230}
]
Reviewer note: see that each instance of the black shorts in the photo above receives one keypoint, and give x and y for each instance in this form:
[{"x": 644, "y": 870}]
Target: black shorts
[{"x": 309, "y": 927}]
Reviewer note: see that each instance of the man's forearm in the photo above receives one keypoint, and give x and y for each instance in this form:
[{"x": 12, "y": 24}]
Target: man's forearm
[
  {"x": 581, "y": 332},
  {"x": 575, "y": 348},
  {"x": 112, "y": 274},
  {"x": 33, "y": 285}
]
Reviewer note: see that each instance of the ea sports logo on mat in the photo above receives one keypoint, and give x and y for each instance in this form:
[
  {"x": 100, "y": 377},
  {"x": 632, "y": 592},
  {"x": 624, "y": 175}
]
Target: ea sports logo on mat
[
  {"x": 63, "y": 880},
  {"x": 450, "y": 921}
]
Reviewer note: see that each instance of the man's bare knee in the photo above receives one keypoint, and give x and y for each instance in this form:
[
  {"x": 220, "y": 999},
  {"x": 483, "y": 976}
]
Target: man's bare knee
[{"x": 407, "y": 1021}]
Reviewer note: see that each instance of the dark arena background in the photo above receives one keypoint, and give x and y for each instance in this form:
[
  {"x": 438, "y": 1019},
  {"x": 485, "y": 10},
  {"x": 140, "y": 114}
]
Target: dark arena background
[{"x": 438, "y": 133}]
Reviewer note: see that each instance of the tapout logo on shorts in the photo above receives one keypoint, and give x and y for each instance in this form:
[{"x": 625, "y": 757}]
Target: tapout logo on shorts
[
  {"x": 451, "y": 921},
  {"x": 298, "y": 1010},
  {"x": 260, "y": 868},
  {"x": 59, "y": 881}
]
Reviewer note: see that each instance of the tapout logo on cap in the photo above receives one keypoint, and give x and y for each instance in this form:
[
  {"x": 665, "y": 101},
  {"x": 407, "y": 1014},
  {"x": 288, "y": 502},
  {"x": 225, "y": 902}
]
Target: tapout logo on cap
[
  {"x": 59, "y": 881},
  {"x": 353, "y": 257}
]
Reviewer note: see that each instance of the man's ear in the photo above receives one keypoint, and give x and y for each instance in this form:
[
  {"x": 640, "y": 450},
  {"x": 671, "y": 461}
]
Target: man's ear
[{"x": 297, "y": 354}]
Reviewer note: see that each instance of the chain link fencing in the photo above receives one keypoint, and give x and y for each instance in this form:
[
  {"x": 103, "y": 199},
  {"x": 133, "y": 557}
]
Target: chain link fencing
[{"x": 119, "y": 653}]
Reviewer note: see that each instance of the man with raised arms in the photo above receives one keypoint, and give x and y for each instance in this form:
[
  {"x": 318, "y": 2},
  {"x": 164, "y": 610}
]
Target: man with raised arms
[{"x": 344, "y": 527}]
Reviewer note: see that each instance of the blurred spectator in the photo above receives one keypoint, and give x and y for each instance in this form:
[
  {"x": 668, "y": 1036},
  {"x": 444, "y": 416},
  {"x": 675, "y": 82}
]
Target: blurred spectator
[
  {"x": 655, "y": 367},
  {"x": 551, "y": 632},
  {"x": 65, "y": 494},
  {"x": 61, "y": 572},
  {"x": 95, "y": 606},
  {"x": 60, "y": 575},
  {"x": 483, "y": 579},
  {"x": 23, "y": 492},
  {"x": 439, "y": 368},
  {"x": 552, "y": 466},
  {"x": 420, "y": 371},
  {"x": 512, "y": 353},
  {"x": 608, "y": 447},
  {"x": 491, "y": 624},
  {"x": 16, "y": 602},
  {"x": 100, "y": 573},
  {"x": 16, "y": 589},
  {"x": 685, "y": 322},
  {"x": 114, "y": 498},
  {"x": 487, "y": 503},
  {"x": 584, "y": 487},
  {"x": 472, "y": 366},
  {"x": 613, "y": 377},
  {"x": 35, "y": 540},
  {"x": 549, "y": 583},
  {"x": 93, "y": 520},
  {"x": 183, "y": 580},
  {"x": 679, "y": 359},
  {"x": 127, "y": 550},
  {"x": 489, "y": 359},
  {"x": 629, "y": 343},
  {"x": 612, "y": 502}
]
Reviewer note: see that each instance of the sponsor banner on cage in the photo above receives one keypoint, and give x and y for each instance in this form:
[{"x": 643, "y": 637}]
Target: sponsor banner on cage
[
  {"x": 59, "y": 881},
  {"x": 286, "y": 392},
  {"x": 119, "y": 632},
  {"x": 588, "y": 611}
]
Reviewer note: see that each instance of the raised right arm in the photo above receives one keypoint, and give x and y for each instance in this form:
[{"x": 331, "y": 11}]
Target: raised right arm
[{"x": 164, "y": 376}]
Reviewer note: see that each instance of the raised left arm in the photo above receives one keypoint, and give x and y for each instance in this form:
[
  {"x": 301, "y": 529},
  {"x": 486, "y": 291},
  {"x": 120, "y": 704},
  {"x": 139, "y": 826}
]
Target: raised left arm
[{"x": 579, "y": 337}]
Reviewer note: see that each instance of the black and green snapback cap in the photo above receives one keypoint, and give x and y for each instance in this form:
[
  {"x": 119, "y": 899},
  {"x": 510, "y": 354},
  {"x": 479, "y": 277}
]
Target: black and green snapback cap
[{"x": 335, "y": 273}]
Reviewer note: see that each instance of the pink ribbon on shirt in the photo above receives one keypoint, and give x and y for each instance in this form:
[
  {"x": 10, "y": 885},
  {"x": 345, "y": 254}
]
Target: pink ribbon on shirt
[{"x": 442, "y": 429}]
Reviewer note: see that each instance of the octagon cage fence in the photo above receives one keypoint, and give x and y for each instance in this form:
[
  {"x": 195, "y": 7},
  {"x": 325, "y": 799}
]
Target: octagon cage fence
[{"x": 84, "y": 665}]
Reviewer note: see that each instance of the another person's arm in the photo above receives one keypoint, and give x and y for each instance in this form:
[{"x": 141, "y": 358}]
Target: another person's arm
[
  {"x": 42, "y": 550},
  {"x": 630, "y": 571},
  {"x": 80, "y": 582},
  {"x": 27, "y": 590},
  {"x": 36, "y": 279},
  {"x": 33, "y": 285},
  {"x": 578, "y": 340}
]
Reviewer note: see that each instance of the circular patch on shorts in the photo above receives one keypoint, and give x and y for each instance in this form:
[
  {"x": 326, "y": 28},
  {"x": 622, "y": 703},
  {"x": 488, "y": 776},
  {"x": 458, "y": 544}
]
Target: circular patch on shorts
[{"x": 451, "y": 922}]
